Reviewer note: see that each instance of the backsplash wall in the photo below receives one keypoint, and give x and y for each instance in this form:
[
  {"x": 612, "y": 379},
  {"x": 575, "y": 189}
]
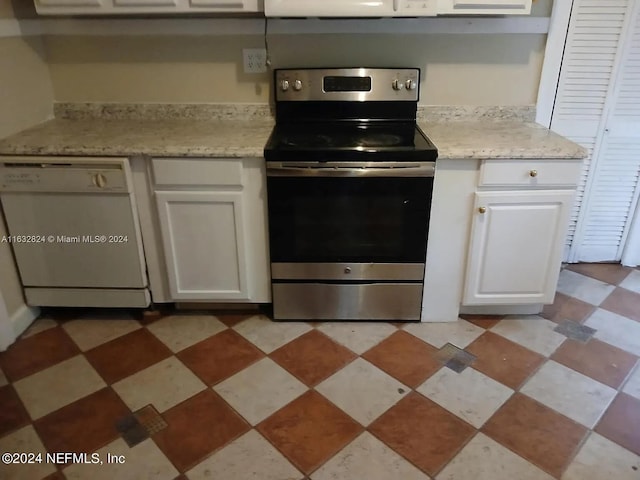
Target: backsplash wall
[
  {"x": 26, "y": 97},
  {"x": 460, "y": 69}
]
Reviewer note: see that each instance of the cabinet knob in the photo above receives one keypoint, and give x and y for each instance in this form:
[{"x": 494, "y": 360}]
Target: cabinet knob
[
  {"x": 533, "y": 173},
  {"x": 482, "y": 209},
  {"x": 347, "y": 270}
]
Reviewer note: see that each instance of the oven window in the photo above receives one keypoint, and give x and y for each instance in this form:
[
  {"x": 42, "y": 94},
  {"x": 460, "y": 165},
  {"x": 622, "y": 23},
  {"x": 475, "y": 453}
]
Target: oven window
[{"x": 348, "y": 219}]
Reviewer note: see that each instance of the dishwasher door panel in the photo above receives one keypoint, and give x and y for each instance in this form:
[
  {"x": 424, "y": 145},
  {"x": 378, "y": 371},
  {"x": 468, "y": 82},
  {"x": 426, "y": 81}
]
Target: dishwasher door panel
[{"x": 72, "y": 254}]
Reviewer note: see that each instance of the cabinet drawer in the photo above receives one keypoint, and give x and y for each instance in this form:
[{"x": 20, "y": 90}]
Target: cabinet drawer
[
  {"x": 531, "y": 173},
  {"x": 196, "y": 171}
]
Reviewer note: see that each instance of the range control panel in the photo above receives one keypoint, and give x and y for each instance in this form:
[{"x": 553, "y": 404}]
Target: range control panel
[{"x": 347, "y": 84}]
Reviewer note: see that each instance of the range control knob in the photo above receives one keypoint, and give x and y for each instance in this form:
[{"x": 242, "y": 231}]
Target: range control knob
[
  {"x": 284, "y": 85},
  {"x": 397, "y": 84},
  {"x": 297, "y": 85},
  {"x": 410, "y": 84}
]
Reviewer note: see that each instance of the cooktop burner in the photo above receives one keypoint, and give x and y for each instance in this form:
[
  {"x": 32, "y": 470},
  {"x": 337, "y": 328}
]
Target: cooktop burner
[
  {"x": 338, "y": 141},
  {"x": 341, "y": 140}
]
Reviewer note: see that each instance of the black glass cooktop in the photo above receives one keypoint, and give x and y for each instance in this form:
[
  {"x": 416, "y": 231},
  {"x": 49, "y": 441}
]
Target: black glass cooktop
[{"x": 335, "y": 141}]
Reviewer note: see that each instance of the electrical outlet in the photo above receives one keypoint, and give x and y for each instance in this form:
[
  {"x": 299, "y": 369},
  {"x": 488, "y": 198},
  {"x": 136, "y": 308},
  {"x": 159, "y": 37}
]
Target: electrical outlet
[{"x": 254, "y": 60}]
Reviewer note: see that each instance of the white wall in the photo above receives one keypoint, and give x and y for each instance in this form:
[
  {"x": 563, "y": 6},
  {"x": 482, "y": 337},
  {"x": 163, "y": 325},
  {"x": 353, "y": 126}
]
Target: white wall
[
  {"x": 459, "y": 69},
  {"x": 26, "y": 98}
]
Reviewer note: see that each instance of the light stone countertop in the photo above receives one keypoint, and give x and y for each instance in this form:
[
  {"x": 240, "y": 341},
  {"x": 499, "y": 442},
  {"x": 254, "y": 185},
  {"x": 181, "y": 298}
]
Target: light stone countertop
[
  {"x": 245, "y": 136},
  {"x": 160, "y": 138},
  {"x": 499, "y": 139}
]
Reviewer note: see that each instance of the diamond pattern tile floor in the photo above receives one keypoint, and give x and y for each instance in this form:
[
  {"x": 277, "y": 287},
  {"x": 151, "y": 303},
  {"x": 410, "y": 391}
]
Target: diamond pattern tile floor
[{"x": 244, "y": 397}]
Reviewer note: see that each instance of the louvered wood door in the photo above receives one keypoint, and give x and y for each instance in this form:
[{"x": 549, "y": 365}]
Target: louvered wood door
[
  {"x": 615, "y": 188},
  {"x": 595, "y": 56}
]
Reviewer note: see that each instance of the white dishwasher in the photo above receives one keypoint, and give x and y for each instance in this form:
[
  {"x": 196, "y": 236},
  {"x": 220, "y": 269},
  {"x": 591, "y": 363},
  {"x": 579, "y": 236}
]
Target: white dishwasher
[{"x": 73, "y": 226}]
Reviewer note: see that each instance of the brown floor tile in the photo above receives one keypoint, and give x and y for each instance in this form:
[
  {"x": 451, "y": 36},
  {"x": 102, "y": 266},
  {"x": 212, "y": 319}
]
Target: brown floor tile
[
  {"x": 12, "y": 413},
  {"x": 405, "y": 357},
  {"x": 55, "y": 476},
  {"x": 423, "y": 432},
  {"x": 32, "y": 354},
  {"x": 149, "y": 316},
  {"x": 535, "y": 432},
  {"x": 623, "y": 302},
  {"x": 598, "y": 360},
  {"x": 504, "y": 360},
  {"x": 483, "y": 321},
  {"x": 612, "y": 273},
  {"x": 565, "y": 307},
  {"x": 312, "y": 357},
  {"x": 232, "y": 319},
  {"x": 197, "y": 427},
  {"x": 127, "y": 355},
  {"x": 83, "y": 426},
  {"x": 220, "y": 356},
  {"x": 621, "y": 422},
  {"x": 309, "y": 430}
]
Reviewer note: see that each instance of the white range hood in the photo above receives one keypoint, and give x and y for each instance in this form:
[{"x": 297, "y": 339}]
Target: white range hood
[{"x": 393, "y": 8}]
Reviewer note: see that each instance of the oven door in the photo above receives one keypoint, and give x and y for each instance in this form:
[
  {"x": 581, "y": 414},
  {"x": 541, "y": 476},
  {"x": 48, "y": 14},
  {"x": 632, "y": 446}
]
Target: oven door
[
  {"x": 348, "y": 242},
  {"x": 348, "y": 214}
]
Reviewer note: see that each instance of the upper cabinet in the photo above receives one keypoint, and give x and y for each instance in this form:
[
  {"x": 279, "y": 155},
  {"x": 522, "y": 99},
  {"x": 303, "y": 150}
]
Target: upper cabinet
[
  {"x": 289, "y": 8},
  {"x": 484, "y": 7},
  {"x": 393, "y": 8},
  {"x": 125, "y": 7}
]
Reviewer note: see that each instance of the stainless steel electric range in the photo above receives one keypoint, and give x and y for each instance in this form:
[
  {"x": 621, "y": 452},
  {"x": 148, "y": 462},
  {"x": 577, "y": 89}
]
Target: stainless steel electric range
[{"x": 349, "y": 184}]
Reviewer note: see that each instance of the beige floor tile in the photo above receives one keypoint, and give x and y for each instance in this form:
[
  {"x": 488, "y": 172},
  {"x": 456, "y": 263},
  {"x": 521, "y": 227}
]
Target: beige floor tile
[
  {"x": 144, "y": 461},
  {"x": 91, "y": 332},
  {"x": 531, "y": 331},
  {"x": 632, "y": 282},
  {"x": 484, "y": 459},
  {"x": 460, "y": 333},
  {"x": 39, "y": 325},
  {"x": 25, "y": 440},
  {"x": 163, "y": 385},
  {"x": 615, "y": 329},
  {"x": 260, "y": 390},
  {"x": 632, "y": 387},
  {"x": 232, "y": 462},
  {"x": 600, "y": 459},
  {"x": 566, "y": 391},
  {"x": 181, "y": 331},
  {"x": 268, "y": 335},
  {"x": 583, "y": 288},
  {"x": 357, "y": 336},
  {"x": 368, "y": 458},
  {"x": 57, "y": 386},
  {"x": 363, "y": 390},
  {"x": 470, "y": 395}
]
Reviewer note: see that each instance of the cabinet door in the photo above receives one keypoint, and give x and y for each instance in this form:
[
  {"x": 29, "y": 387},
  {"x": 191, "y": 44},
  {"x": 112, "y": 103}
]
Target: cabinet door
[
  {"x": 484, "y": 7},
  {"x": 516, "y": 246},
  {"x": 204, "y": 244}
]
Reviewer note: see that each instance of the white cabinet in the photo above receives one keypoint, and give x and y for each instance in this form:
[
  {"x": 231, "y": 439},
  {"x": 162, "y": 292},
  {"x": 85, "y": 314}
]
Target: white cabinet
[
  {"x": 516, "y": 246},
  {"x": 212, "y": 220},
  {"x": 484, "y": 7},
  {"x": 519, "y": 222},
  {"x": 127, "y": 7},
  {"x": 204, "y": 244}
]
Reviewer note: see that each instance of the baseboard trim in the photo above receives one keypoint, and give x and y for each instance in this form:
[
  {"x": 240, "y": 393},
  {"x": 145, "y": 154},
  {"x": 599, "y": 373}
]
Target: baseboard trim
[
  {"x": 502, "y": 309},
  {"x": 22, "y": 318}
]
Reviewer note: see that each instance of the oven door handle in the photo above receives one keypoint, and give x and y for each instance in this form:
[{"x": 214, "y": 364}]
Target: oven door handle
[{"x": 277, "y": 169}]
